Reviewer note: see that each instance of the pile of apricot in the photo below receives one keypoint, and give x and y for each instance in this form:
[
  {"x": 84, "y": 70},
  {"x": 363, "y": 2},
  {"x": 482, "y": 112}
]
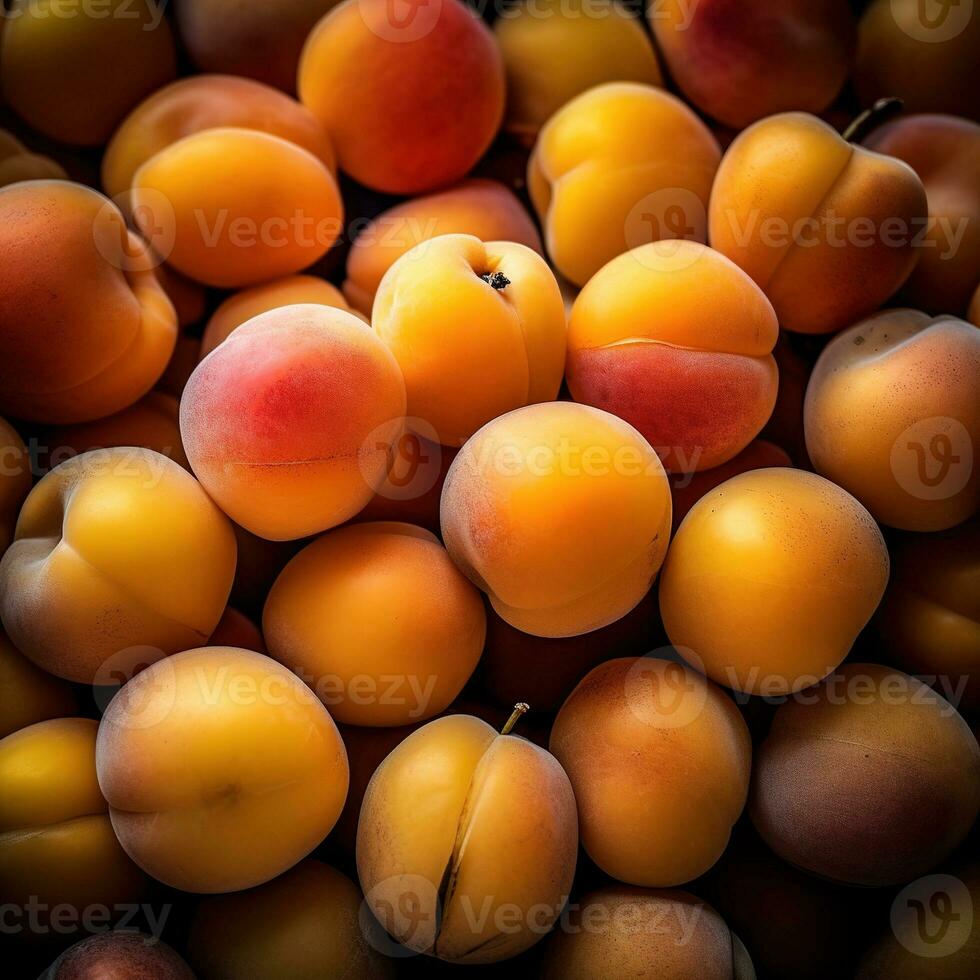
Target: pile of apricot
[{"x": 489, "y": 486}]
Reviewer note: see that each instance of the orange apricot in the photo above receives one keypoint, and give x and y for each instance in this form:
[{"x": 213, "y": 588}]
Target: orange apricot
[
  {"x": 15, "y": 480},
  {"x": 17, "y": 163},
  {"x": 27, "y": 693}
]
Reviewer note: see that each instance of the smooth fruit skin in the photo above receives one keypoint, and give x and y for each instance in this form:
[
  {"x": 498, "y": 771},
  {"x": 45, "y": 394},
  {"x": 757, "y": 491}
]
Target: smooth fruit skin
[
  {"x": 28, "y": 694},
  {"x": 120, "y": 558},
  {"x": 459, "y": 821},
  {"x": 617, "y": 167},
  {"x": 647, "y": 743},
  {"x": 826, "y": 228},
  {"x": 738, "y": 591},
  {"x": 221, "y": 769},
  {"x": 871, "y": 781},
  {"x": 677, "y": 340},
  {"x": 892, "y": 414},
  {"x": 470, "y": 351}
]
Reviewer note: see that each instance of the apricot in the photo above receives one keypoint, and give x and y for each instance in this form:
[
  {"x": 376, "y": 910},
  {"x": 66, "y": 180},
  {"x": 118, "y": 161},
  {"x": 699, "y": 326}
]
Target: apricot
[
  {"x": 945, "y": 152},
  {"x": 73, "y": 70},
  {"x": 618, "y": 931},
  {"x": 892, "y": 415},
  {"x": 659, "y": 759},
  {"x": 119, "y": 557},
  {"x": 87, "y": 330},
  {"x": 738, "y": 590},
  {"x": 556, "y": 50},
  {"x": 248, "y": 303},
  {"x": 378, "y": 621},
  {"x": 233, "y": 207},
  {"x": 303, "y": 925},
  {"x": 29, "y": 694},
  {"x": 17, "y": 163},
  {"x": 827, "y": 228},
  {"x": 677, "y": 340},
  {"x": 871, "y": 779},
  {"x": 116, "y": 956},
  {"x": 235, "y": 629},
  {"x": 57, "y": 847},
  {"x": 561, "y": 514},
  {"x": 484, "y": 208},
  {"x": 221, "y": 769},
  {"x": 477, "y": 328},
  {"x": 620, "y": 166},
  {"x": 15, "y": 480},
  {"x": 410, "y": 102},
  {"x": 467, "y": 841},
  {"x": 739, "y": 62},
  {"x": 289, "y": 422},
  {"x": 930, "y": 616},
  {"x": 191, "y": 105}
]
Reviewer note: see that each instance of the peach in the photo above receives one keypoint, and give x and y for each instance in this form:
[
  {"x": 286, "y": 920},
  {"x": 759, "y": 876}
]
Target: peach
[
  {"x": 556, "y": 50},
  {"x": 561, "y": 514},
  {"x": 412, "y": 101},
  {"x": 235, "y": 629},
  {"x": 248, "y": 303},
  {"x": 221, "y": 769},
  {"x": 379, "y": 622},
  {"x": 29, "y": 694},
  {"x": 484, "y": 208},
  {"x": 119, "y": 557},
  {"x": 825, "y": 227},
  {"x": 739, "y": 62},
  {"x": 15, "y": 480},
  {"x": 57, "y": 846},
  {"x": 620, "y": 166},
  {"x": 87, "y": 328},
  {"x": 73, "y": 70},
  {"x": 738, "y": 595},
  {"x": 871, "y": 779},
  {"x": 289, "y": 422},
  {"x": 467, "y": 841},
  {"x": 233, "y": 207},
  {"x": 892, "y": 415},
  {"x": 17, "y": 163},
  {"x": 945, "y": 152},
  {"x": 116, "y": 956},
  {"x": 191, "y": 105},
  {"x": 677, "y": 340},
  {"x": 659, "y": 759},
  {"x": 477, "y": 328},
  {"x": 618, "y": 931}
]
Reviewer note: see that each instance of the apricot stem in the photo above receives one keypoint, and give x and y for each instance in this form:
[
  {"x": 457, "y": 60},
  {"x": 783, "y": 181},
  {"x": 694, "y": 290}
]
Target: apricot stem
[
  {"x": 880, "y": 112},
  {"x": 519, "y": 709},
  {"x": 496, "y": 279}
]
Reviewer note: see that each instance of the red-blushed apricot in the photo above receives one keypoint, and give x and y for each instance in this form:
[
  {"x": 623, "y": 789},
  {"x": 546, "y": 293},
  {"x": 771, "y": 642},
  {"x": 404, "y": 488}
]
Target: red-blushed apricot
[
  {"x": 235, "y": 629},
  {"x": 119, "y": 558},
  {"x": 558, "y": 49},
  {"x": 871, "y": 778},
  {"x": 27, "y": 693},
  {"x": 262, "y": 41},
  {"x": 303, "y": 925},
  {"x": 892, "y": 415},
  {"x": 119, "y": 955},
  {"x": 659, "y": 759},
  {"x": 770, "y": 578},
  {"x": 232, "y": 207},
  {"x": 221, "y": 769},
  {"x": 477, "y": 328},
  {"x": 410, "y": 102},
  {"x": 201, "y": 102},
  {"x": 289, "y": 422},
  {"x": 87, "y": 330},
  {"x": 73, "y": 70},
  {"x": 827, "y": 228},
  {"x": 617, "y": 167},
  {"x": 15, "y": 480},
  {"x": 17, "y": 163},
  {"x": 561, "y": 514},
  {"x": 467, "y": 841},
  {"x": 484, "y": 208},
  {"x": 57, "y": 847},
  {"x": 677, "y": 340},
  {"x": 248, "y": 303},
  {"x": 741, "y": 62},
  {"x": 930, "y": 616},
  {"x": 619, "y": 931},
  {"x": 378, "y": 621},
  {"x": 945, "y": 152}
]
